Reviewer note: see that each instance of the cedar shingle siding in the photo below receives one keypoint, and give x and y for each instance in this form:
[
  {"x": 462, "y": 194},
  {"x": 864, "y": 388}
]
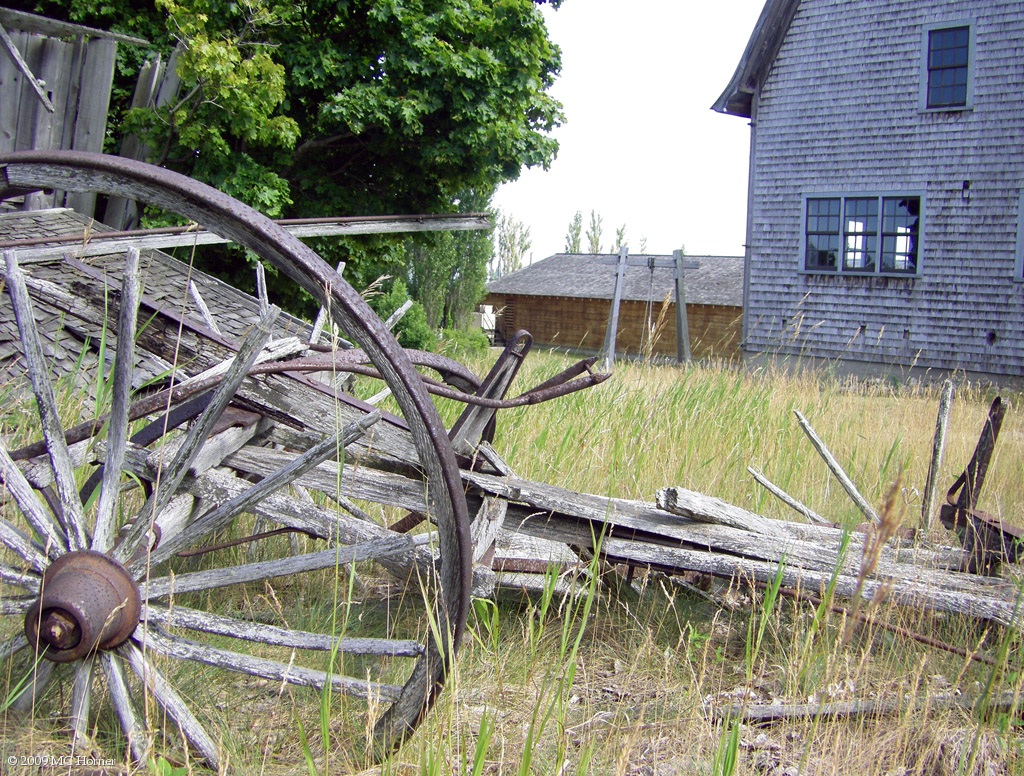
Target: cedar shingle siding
[{"x": 838, "y": 109}]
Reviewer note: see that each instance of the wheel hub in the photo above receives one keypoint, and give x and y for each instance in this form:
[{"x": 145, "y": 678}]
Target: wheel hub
[{"x": 87, "y": 602}]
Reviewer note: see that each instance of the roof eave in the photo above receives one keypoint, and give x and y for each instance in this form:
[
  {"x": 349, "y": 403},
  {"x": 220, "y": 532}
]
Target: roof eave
[{"x": 758, "y": 57}]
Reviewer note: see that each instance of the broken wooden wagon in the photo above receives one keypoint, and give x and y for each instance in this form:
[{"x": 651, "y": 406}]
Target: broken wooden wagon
[{"x": 113, "y": 528}]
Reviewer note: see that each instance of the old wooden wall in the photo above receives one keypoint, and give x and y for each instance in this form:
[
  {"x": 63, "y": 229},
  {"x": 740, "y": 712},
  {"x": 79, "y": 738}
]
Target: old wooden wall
[
  {"x": 575, "y": 323},
  {"x": 76, "y": 74}
]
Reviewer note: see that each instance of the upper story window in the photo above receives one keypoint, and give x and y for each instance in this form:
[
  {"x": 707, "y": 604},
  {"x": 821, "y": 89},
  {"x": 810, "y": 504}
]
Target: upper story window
[
  {"x": 947, "y": 64},
  {"x": 863, "y": 234}
]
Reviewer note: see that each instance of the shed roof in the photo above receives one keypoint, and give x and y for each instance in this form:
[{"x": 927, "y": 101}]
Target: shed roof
[
  {"x": 758, "y": 57},
  {"x": 717, "y": 280}
]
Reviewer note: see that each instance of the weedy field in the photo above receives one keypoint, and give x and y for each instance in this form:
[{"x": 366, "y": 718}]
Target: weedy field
[{"x": 636, "y": 682}]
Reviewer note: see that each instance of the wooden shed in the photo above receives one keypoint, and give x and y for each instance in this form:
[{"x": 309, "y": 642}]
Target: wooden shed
[
  {"x": 565, "y": 301},
  {"x": 55, "y": 82},
  {"x": 886, "y": 186}
]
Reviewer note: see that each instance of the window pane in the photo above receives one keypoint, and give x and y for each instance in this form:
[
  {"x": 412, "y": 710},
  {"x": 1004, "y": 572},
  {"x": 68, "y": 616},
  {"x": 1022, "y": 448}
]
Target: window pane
[
  {"x": 822, "y": 250},
  {"x": 822, "y": 236},
  {"x": 860, "y": 229},
  {"x": 900, "y": 233},
  {"x": 948, "y": 65}
]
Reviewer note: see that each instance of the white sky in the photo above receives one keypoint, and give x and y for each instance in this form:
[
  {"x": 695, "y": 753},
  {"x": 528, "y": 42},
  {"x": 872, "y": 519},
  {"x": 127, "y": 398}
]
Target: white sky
[{"x": 640, "y": 144}]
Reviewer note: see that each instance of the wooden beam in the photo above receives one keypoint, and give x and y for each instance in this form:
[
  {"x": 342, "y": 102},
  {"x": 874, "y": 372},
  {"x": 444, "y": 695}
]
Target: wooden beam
[
  {"x": 613, "y": 319},
  {"x": 41, "y": 25},
  {"x": 683, "y": 354},
  {"x": 94, "y": 243}
]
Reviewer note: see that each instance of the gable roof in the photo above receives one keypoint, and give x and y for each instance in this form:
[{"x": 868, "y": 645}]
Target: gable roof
[
  {"x": 757, "y": 59},
  {"x": 718, "y": 280}
]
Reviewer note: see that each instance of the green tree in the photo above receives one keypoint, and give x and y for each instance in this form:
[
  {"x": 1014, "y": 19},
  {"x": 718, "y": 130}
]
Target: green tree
[
  {"x": 412, "y": 331},
  {"x": 447, "y": 271},
  {"x": 573, "y": 242},
  {"x": 317, "y": 107},
  {"x": 594, "y": 232},
  {"x": 513, "y": 242},
  {"x": 620, "y": 238}
]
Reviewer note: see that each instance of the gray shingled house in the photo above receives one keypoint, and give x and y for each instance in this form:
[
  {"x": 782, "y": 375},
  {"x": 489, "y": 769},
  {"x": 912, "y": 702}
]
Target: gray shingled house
[
  {"x": 886, "y": 217},
  {"x": 565, "y": 301}
]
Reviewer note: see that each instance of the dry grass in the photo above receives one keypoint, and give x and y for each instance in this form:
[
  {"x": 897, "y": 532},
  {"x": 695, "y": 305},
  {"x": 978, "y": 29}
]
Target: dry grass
[{"x": 625, "y": 687}]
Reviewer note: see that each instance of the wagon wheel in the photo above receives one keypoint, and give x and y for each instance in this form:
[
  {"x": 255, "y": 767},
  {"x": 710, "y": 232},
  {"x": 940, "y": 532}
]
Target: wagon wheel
[{"x": 92, "y": 592}]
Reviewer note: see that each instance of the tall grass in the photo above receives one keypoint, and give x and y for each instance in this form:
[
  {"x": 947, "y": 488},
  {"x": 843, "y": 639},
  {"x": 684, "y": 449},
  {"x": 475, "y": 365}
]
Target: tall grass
[{"x": 602, "y": 684}]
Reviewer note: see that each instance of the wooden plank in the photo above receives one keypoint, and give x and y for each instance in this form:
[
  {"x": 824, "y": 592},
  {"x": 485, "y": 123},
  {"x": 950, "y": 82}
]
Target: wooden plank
[
  {"x": 121, "y": 212},
  {"x": 7, "y": 44},
  {"x": 613, "y": 320},
  {"x": 20, "y": 20},
  {"x": 91, "y": 106},
  {"x": 662, "y": 539},
  {"x": 683, "y": 354},
  {"x": 10, "y": 97},
  {"x": 55, "y": 74},
  {"x": 72, "y": 89},
  {"x": 101, "y": 244},
  {"x": 30, "y": 47}
]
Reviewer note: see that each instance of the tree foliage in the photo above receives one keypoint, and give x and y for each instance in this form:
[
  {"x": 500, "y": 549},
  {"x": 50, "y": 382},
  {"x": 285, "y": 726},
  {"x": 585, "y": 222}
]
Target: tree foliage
[
  {"x": 340, "y": 107},
  {"x": 447, "y": 271},
  {"x": 594, "y": 232},
  {"x": 512, "y": 238},
  {"x": 573, "y": 237},
  {"x": 620, "y": 238}
]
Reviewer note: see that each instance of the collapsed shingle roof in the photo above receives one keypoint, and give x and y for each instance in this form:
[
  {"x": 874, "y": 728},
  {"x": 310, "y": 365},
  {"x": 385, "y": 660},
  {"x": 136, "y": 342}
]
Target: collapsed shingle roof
[
  {"x": 717, "y": 280},
  {"x": 164, "y": 282}
]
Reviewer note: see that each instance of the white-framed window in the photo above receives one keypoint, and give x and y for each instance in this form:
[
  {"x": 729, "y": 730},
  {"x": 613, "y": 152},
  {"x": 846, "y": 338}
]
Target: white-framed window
[
  {"x": 947, "y": 66},
  {"x": 862, "y": 234}
]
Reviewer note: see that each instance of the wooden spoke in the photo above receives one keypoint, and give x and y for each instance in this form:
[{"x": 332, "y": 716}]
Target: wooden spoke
[
  {"x": 268, "y": 669},
  {"x": 117, "y": 433},
  {"x": 81, "y": 697},
  {"x": 13, "y": 576},
  {"x": 72, "y": 517},
  {"x": 170, "y": 478},
  {"x": 172, "y": 703},
  {"x": 35, "y": 513},
  {"x": 297, "y": 564},
  {"x": 329, "y": 447},
  {"x": 13, "y": 645},
  {"x": 192, "y": 619},
  {"x": 35, "y": 685},
  {"x": 15, "y": 606},
  {"x": 138, "y": 741}
]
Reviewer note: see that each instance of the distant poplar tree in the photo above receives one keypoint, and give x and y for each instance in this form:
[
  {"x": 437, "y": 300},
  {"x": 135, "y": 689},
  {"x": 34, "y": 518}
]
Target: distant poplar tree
[
  {"x": 620, "y": 237},
  {"x": 512, "y": 238},
  {"x": 573, "y": 243},
  {"x": 594, "y": 233}
]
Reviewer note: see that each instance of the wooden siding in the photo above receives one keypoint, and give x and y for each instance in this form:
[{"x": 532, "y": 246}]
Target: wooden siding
[
  {"x": 839, "y": 113},
  {"x": 77, "y": 73},
  {"x": 580, "y": 324}
]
